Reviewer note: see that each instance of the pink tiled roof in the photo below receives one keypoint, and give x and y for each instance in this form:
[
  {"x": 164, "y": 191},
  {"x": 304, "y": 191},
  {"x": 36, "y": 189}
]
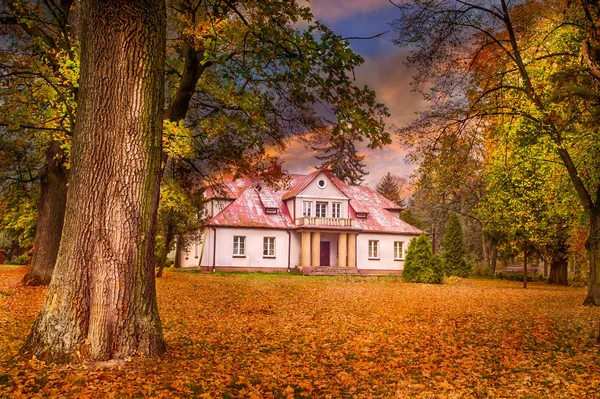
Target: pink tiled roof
[
  {"x": 299, "y": 184},
  {"x": 229, "y": 189},
  {"x": 378, "y": 219},
  {"x": 269, "y": 198},
  {"x": 248, "y": 211},
  {"x": 248, "y": 207}
]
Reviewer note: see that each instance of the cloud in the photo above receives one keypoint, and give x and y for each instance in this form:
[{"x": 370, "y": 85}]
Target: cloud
[
  {"x": 383, "y": 71},
  {"x": 331, "y": 11}
]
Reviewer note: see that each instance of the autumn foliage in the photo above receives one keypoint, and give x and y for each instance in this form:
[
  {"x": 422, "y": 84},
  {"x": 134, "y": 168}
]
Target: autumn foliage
[{"x": 281, "y": 336}]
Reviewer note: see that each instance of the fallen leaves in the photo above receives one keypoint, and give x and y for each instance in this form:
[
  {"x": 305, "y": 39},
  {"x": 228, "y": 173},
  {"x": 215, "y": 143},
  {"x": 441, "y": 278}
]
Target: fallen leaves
[{"x": 286, "y": 336}]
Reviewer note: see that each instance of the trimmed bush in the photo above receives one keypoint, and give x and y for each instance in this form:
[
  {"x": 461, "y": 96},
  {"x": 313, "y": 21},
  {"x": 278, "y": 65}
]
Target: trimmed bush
[
  {"x": 421, "y": 265},
  {"x": 455, "y": 253}
]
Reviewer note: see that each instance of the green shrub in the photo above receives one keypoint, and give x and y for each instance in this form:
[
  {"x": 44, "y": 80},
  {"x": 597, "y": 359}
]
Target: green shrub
[
  {"x": 421, "y": 265},
  {"x": 22, "y": 259},
  {"x": 455, "y": 253}
]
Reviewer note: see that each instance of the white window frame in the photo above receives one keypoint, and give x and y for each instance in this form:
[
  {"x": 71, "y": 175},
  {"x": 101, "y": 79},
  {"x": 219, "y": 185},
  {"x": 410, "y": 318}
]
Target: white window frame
[
  {"x": 324, "y": 208},
  {"x": 373, "y": 249},
  {"x": 336, "y": 209},
  {"x": 268, "y": 247},
  {"x": 396, "y": 245},
  {"x": 307, "y": 208},
  {"x": 239, "y": 242}
]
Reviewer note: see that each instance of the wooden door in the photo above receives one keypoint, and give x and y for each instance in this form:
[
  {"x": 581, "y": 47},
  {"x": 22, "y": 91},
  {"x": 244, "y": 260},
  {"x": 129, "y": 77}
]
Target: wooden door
[{"x": 324, "y": 253}]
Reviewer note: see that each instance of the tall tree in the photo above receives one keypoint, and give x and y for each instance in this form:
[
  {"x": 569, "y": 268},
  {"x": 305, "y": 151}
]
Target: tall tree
[
  {"x": 102, "y": 299},
  {"x": 39, "y": 67},
  {"x": 522, "y": 59},
  {"x": 455, "y": 254},
  {"x": 242, "y": 76},
  {"x": 340, "y": 155},
  {"x": 388, "y": 187}
]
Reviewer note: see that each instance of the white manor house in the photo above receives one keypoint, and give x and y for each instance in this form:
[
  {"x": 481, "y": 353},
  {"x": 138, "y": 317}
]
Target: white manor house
[{"x": 318, "y": 221}]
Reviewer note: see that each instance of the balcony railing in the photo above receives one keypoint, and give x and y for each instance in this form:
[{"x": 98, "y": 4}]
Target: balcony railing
[{"x": 318, "y": 221}]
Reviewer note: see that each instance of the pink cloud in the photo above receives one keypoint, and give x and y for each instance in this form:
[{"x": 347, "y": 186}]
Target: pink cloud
[{"x": 335, "y": 10}]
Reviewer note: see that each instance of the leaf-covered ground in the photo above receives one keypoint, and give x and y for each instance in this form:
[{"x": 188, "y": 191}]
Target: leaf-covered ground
[{"x": 263, "y": 336}]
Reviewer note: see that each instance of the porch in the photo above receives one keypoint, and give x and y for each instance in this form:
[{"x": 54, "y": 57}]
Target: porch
[{"x": 320, "y": 250}]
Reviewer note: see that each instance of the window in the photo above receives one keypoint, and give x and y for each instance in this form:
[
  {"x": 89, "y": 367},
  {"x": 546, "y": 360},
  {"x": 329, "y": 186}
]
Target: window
[
  {"x": 239, "y": 246},
  {"x": 398, "y": 250},
  {"x": 307, "y": 208},
  {"x": 271, "y": 210},
  {"x": 269, "y": 247},
  {"x": 321, "y": 209},
  {"x": 322, "y": 183},
  {"x": 373, "y": 249},
  {"x": 336, "y": 210}
]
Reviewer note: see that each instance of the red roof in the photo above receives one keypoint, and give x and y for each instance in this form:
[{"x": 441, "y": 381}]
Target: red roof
[
  {"x": 251, "y": 199},
  {"x": 366, "y": 200},
  {"x": 229, "y": 189},
  {"x": 300, "y": 182},
  {"x": 248, "y": 211}
]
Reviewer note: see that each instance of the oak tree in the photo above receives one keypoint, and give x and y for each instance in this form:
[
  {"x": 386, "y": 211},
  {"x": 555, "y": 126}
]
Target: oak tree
[{"x": 102, "y": 302}]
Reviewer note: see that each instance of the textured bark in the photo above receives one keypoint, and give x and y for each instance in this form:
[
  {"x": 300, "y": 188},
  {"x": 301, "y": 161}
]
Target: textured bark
[
  {"x": 494, "y": 259},
  {"x": 162, "y": 259},
  {"x": 178, "y": 253},
  {"x": 559, "y": 270},
  {"x": 525, "y": 269},
  {"x": 593, "y": 249},
  {"x": 101, "y": 303},
  {"x": 51, "y": 211}
]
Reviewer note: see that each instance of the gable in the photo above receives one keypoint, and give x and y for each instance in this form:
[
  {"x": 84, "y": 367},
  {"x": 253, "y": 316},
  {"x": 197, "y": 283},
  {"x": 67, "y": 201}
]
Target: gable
[{"x": 321, "y": 186}]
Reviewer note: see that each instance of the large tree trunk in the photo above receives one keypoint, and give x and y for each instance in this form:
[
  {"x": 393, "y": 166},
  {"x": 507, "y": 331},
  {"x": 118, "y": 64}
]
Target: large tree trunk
[
  {"x": 525, "y": 269},
  {"x": 102, "y": 298},
  {"x": 559, "y": 270},
  {"x": 51, "y": 212},
  {"x": 162, "y": 260},
  {"x": 179, "y": 252},
  {"x": 593, "y": 249},
  {"x": 494, "y": 259}
]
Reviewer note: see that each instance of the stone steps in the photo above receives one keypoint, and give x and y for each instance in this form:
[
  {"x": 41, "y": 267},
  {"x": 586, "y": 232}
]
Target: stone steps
[{"x": 334, "y": 271}]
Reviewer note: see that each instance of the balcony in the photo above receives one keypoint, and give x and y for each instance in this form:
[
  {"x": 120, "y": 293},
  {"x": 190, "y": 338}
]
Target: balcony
[{"x": 329, "y": 222}]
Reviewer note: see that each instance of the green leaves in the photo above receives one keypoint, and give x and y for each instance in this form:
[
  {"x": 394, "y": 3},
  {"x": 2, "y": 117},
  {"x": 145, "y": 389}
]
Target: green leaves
[
  {"x": 421, "y": 265},
  {"x": 455, "y": 253}
]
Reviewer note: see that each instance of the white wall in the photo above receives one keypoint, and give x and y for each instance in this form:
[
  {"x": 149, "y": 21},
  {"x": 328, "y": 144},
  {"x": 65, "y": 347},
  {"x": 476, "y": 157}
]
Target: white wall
[
  {"x": 328, "y": 194},
  {"x": 386, "y": 251},
  {"x": 254, "y": 248}
]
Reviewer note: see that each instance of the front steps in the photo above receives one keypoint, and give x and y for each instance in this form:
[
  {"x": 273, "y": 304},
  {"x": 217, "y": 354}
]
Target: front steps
[{"x": 334, "y": 271}]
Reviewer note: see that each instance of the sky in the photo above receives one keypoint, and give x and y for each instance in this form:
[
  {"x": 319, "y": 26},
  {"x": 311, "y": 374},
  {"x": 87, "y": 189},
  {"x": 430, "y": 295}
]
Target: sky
[{"x": 383, "y": 71}]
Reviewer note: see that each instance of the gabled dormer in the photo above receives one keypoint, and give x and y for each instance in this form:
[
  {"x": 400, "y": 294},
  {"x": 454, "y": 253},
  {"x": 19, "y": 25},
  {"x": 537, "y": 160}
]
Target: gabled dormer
[
  {"x": 315, "y": 199},
  {"x": 269, "y": 200}
]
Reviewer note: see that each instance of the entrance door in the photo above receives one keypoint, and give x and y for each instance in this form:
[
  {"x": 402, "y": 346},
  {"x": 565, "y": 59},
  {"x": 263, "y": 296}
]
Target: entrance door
[{"x": 324, "y": 253}]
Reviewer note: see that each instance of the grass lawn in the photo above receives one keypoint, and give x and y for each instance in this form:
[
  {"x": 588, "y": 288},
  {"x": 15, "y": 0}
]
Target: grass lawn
[{"x": 282, "y": 336}]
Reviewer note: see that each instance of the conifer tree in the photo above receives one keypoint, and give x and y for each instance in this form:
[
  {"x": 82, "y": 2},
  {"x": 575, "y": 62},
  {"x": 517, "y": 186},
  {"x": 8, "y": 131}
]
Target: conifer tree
[
  {"x": 389, "y": 188},
  {"x": 455, "y": 253},
  {"x": 421, "y": 265},
  {"x": 409, "y": 216},
  {"x": 341, "y": 157}
]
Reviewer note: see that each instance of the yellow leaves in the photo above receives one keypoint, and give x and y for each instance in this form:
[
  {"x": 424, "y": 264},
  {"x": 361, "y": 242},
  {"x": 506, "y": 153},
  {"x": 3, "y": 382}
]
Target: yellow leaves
[
  {"x": 177, "y": 140},
  {"x": 281, "y": 336}
]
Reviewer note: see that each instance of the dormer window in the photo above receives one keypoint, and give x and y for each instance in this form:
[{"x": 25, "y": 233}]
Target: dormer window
[{"x": 322, "y": 183}]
